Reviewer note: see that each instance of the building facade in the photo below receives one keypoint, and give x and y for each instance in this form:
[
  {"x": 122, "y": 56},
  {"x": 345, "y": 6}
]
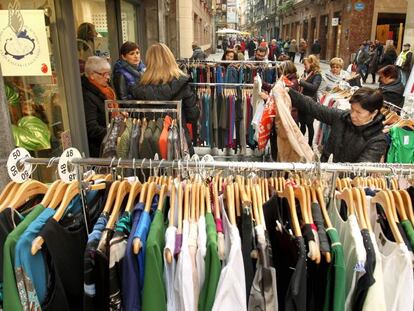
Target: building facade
[
  {"x": 342, "y": 25},
  {"x": 262, "y": 19}
]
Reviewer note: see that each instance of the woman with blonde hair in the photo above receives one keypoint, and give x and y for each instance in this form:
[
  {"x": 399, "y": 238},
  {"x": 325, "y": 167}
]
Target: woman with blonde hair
[
  {"x": 309, "y": 82},
  {"x": 163, "y": 80},
  {"x": 334, "y": 77}
]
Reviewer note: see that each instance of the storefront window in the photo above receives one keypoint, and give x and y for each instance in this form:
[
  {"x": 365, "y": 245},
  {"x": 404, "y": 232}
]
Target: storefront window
[
  {"x": 35, "y": 94},
  {"x": 129, "y": 22}
]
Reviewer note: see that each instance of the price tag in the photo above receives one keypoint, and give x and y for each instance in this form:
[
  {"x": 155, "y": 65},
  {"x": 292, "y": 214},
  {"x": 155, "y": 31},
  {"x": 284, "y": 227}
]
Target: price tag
[
  {"x": 406, "y": 140},
  {"x": 67, "y": 171},
  {"x": 18, "y": 170}
]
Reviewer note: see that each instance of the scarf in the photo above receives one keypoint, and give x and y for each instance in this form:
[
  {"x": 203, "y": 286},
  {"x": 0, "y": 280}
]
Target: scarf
[{"x": 109, "y": 94}]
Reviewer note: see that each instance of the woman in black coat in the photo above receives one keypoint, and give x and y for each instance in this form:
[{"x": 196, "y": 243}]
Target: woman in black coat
[
  {"x": 356, "y": 134},
  {"x": 389, "y": 57},
  {"x": 163, "y": 80},
  {"x": 95, "y": 90},
  {"x": 310, "y": 82}
]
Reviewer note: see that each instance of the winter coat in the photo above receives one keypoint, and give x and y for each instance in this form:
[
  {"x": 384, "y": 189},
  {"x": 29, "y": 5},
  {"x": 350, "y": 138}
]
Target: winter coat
[
  {"x": 362, "y": 57},
  {"x": 177, "y": 89},
  {"x": 198, "y": 54},
  {"x": 316, "y": 48},
  {"x": 124, "y": 76},
  {"x": 293, "y": 48},
  {"x": 388, "y": 58},
  {"x": 347, "y": 142},
  {"x": 393, "y": 92},
  {"x": 251, "y": 47},
  {"x": 311, "y": 85},
  {"x": 303, "y": 46},
  {"x": 94, "y": 106},
  {"x": 373, "y": 62}
]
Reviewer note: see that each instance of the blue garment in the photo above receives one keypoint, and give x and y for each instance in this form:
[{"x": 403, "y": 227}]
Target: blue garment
[
  {"x": 130, "y": 298},
  {"x": 219, "y": 79},
  {"x": 141, "y": 232},
  {"x": 131, "y": 73},
  {"x": 232, "y": 75},
  {"x": 100, "y": 225}
]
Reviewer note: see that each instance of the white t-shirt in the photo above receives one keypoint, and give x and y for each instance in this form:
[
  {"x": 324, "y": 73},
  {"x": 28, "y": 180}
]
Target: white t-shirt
[
  {"x": 354, "y": 250},
  {"x": 201, "y": 250},
  {"x": 231, "y": 289},
  {"x": 169, "y": 269},
  {"x": 397, "y": 269}
]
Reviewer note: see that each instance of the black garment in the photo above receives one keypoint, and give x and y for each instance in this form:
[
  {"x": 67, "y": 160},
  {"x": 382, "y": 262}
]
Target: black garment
[
  {"x": 319, "y": 222},
  {"x": 388, "y": 58},
  {"x": 125, "y": 75},
  {"x": 368, "y": 141},
  {"x": 247, "y": 240},
  {"x": 177, "y": 89},
  {"x": 102, "y": 269},
  {"x": 251, "y": 48},
  {"x": 367, "y": 280},
  {"x": 94, "y": 105},
  {"x": 310, "y": 88},
  {"x": 393, "y": 92},
  {"x": 65, "y": 261},
  {"x": 289, "y": 256},
  {"x": 407, "y": 65},
  {"x": 316, "y": 48}
]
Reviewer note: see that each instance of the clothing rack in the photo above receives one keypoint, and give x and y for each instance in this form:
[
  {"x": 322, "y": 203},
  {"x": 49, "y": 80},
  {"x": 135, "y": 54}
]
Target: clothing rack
[
  {"x": 228, "y": 61},
  {"x": 392, "y": 106},
  {"x": 356, "y": 168},
  {"x": 224, "y": 85}
]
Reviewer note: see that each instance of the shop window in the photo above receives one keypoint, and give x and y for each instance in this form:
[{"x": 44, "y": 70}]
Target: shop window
[{"x": 34, "y": 90}]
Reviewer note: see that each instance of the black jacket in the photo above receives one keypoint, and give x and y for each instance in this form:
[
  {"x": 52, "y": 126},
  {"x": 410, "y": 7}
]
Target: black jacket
[
  {"x": 388, "y": 58},
  {"x": 198, "y": 54},
  {"x": 94, "y": 105},
  {"x": 393, "y": 92},
  {"x": 316, "y": 48},
  {"x": 125, "y": 75},
  {"x": 311, "y": 85},
  {"x": 177, "y": 89},
  {"x": 347, "y": 142}
]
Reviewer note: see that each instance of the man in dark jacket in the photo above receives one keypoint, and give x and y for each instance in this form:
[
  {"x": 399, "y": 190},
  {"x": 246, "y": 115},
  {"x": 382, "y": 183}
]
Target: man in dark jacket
[
  {"x": 356, "y": 135},
  {"x": 391, "y": 86},
  {"x": 198, "y": 53},
  {"x": 362, "y": 61},
  {"x": 316, "y": 48},
  {"x": 251, "y": 48}
]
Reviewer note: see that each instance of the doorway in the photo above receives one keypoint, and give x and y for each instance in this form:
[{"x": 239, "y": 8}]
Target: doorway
[{"x": 390, "y": 26}]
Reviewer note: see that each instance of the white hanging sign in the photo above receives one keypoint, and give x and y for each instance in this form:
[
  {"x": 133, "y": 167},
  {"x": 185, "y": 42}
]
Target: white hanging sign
[
  {"x": 24, "y": 49},
  {"x": 19, "y": 171},
  {"x": 67, "y": 172}
]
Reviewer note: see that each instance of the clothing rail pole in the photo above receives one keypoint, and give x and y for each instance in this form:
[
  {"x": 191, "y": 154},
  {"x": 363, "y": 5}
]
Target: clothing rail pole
[
  {"x": 230, "y": 61},
  {"x": 243, "y": 85}
]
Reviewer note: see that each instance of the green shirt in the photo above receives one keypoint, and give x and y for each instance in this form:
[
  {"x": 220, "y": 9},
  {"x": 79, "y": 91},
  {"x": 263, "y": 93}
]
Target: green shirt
[
  {"x": 154, "y": 293},
  {"x": 335, "y": 285},
  {"x": 11, "y": 300},
  {"x": 402, "y": 146},
  {"x": 409, "y": 230},
  {"x": 213, "y": 267}
]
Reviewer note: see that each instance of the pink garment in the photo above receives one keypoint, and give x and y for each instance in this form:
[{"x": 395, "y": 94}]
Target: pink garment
[{"x": 291, "y": 144}]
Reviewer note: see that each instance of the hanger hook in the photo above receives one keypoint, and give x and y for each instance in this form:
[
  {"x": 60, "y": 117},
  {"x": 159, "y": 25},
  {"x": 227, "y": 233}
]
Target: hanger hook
[
  {"x": 134, "y": 168},
  {"x": 142, "y": 171},
  {"x": 150, "y": 166}
]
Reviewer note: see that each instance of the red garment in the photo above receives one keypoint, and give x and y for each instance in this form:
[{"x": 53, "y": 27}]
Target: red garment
[
  {"x": 266, "y": 123},
  {"x": 243, "y": 46},
  {"x": 163, "y": 142}
]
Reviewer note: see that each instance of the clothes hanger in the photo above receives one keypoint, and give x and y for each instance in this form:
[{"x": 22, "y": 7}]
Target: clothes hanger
[
  {"x": 346, "y": 195},
  {"x": 230, "y": 203},
  {"x": 136, "y": 188},
  {"x": 58, "y": 195},
  {"x": 50, "y": 193},
  {"x": 408, "y": 205},
  {"x": 9, "y": 196},
  {"x": 365, "y": 208},
  {"x": 399, "y": 204},
  {"x": 357, "y": 200},
  {"x": 167, "y": 252},
  {"x": 259, "y": 195},
  {"x": 289, "y": 194},
  {"x": 197, "y": 201},
  {"x": 202, "y": 195},
  {"x": 180, "y": 208},
  {"x": 136, "y": 243},
  {"x": 71, "y": 191},
  {"x": 300, "y": 195},
  {"x": 111, "y": 197},
  {"x": 162, "y": 197},
  {"x": 255, "y": 209},
  {"x": 383, "y": 199},
  {"x": 6, "y": 191},
  {"x": 187, "y": 191},
  {"x": 123, "y": 190},
  {"x": 28, "y": 189},
  {"x": 237, "y": 198},
  {"x": 393, "y": 206}
]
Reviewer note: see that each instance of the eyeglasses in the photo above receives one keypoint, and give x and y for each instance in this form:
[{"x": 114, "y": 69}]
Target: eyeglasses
[{"x": 105, "y": 74}]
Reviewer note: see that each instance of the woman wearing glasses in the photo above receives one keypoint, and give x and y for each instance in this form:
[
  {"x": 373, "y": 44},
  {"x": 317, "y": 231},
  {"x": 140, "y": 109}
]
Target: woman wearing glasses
[{"x": 95, "y": 90}]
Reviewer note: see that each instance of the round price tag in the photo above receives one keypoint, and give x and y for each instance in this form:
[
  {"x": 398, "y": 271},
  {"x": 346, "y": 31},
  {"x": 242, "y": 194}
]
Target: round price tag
[
  {"x": 67, "y": 171},
  {"x": 19, "y": 171}
]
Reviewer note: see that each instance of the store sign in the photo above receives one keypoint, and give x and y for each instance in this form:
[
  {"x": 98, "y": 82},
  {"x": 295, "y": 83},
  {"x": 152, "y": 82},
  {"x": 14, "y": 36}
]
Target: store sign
[
  {"x": 24, "y": 49},
  {"x": 335, "y": 21},
  {"x": 359, "y": 6}
]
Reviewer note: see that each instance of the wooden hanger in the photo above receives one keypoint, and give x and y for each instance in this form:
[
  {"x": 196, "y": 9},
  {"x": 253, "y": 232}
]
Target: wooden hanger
[
  {"x": 27, "y": 190},
  {"x": 168, "y": 254},
  {"x": 356, "y": 196},
  {"x": 237, "y": 198},
  {"x": 289, "y": 194},
  {"x": 71, "y": 191},
  {"x": 136, "y": 188},
  {"x": 6, "y": 191},
  {"x": 162, "y": 197},
  {"x": 254, "y": 205},
  {"x": 399, "y": 205},
  {"x": 259, "y": 195},
  {"x": 180, "y": 209},
  {"x": 365, "y": 208},
  {"x": 383, "y": 199},
  {"x": 208, "y": 199},
  {"x": 50, "y": 193},
  {"x": 230, "y": 203},
  {"x": 123, "y": 190},
  {"x": 111, "y": 197},
  {"x": 300, "y": 195},
  {"x": 408, "y": 205},
  {"x": 9, "y": 196},
  {"x": 393, "y": 206},
  {"x": 202, "y": 195},
  {"x": 188, "y": 187},
  {"x": 406, "y": 123},
  {"x": 58, "y": 195},
  {"x": 194, "y": 201},
  {"x": 216, "y": 204},
  {"x": 346, "y": 195},
  {"x": 338, "y": 184},
  {"x": 136, "y": 243}
]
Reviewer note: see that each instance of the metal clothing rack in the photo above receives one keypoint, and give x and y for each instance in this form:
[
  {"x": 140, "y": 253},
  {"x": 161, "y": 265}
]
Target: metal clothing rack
[
  {"x": 223, "y": 84},
  {"x": 363, "y": 168},
  {"x": 228, "y": 61}
]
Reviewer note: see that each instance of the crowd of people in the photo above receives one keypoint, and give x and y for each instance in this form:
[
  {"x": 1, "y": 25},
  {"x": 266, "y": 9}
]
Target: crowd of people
[{"x": 161, "y": 79}]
